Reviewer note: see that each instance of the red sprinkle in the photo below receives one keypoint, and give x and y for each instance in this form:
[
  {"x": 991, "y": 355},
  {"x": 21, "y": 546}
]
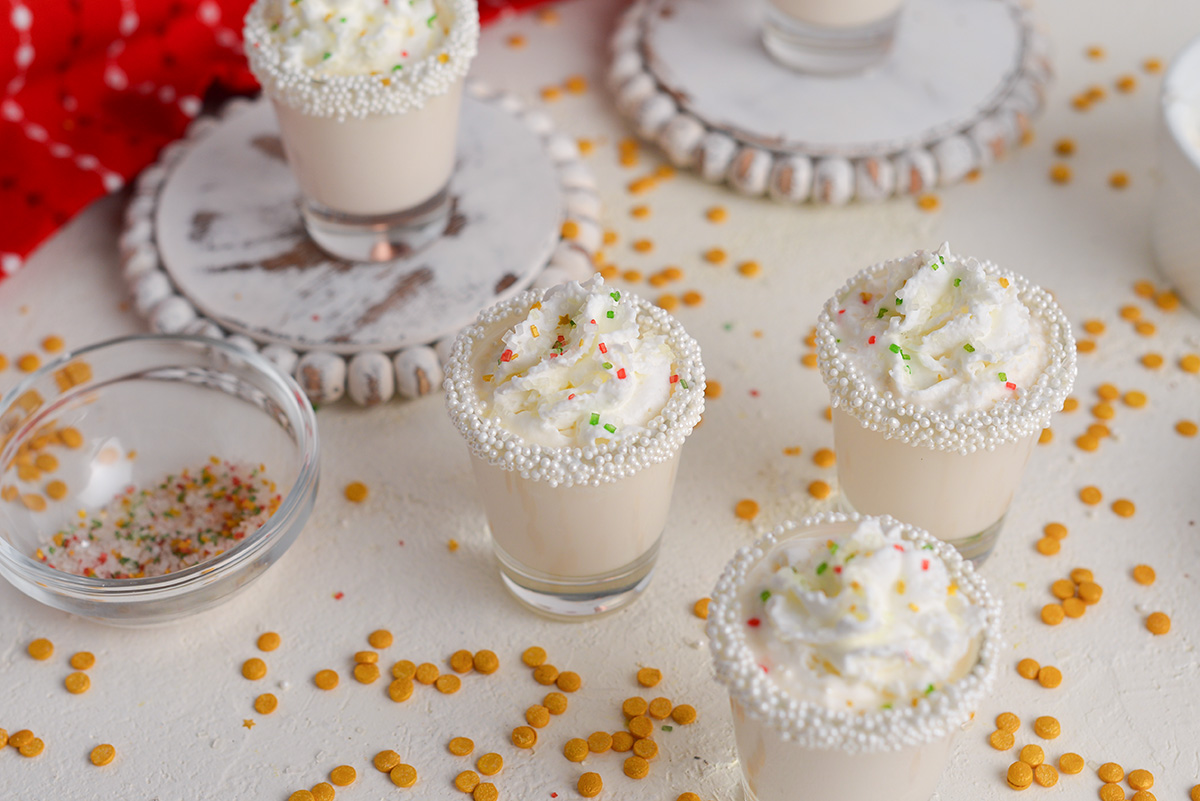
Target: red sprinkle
[
  {"x": 571, "y": 396},
  {"x": 603, "y": 348},
  {"x": 506, "y": 356},
  {"x": 593, "y": 322},
  {"x": 337, "y": 596},
  {"x": 899, "y": 548},
  {"x": 753, "y": 622},
  {"x": 924, "y": 564},
  {"x": 754, "y": 393},
  {"x": 674, "y": 378},
  {"x": 841, "y": 311},
  {"x": 871, "y": 341},
  {"x": 1011, "y": 385},
  {"x": 621, "y": 373},
  {"x": 764, "y": 667},
  {"x": 837, "y": 569}
]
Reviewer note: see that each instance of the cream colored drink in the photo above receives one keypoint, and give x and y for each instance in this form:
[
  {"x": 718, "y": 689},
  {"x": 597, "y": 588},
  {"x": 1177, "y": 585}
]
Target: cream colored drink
[
  {"x": 575, "y": 402},
  {"x": 838, "y": 13},
  {"x": 942, "y": 372},
  {"x": 854, "y": 648}
]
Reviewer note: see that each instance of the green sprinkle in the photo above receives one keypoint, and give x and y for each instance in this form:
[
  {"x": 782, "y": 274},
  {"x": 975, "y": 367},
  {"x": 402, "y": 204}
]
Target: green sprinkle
[
  {"x": 615, "y": 295},
  {"x": 833, "y": 548},
  {"x": 685, "y": 384},
  {"x": 933, "y": 266},
  {"x": 969, "y": 348},
  {"x": 397, "y": 67},
  {"x": 572, "y": 323},
  {"x": 838, "y": 341},
  {"x": 887, "y": 706},
  {"x": 595, "y": 418},
  {"x": 957, "y": 281},
  {"x": 610, "y": 428},
  {"x": 728, "y": 326},
  {"x": 941, "y": 258},
  {"x": 927, "y": 546},
  {"x": 904, "y": 355},
  {"x": 275, "y": 27},
  {"x": 668, "y": 728},
  {"x": 899, "y": 301},
  {"x": 429, "y": 21},
  {"x": 610, "y": 314},
  {"x": 821, "y": 568},
  {"x": 894, "y": 348},
  {"x": 1003, "y": 376},
  {"x": 608, "y": 365},
  {"x": 929, "y": 689},
  {"x": 765, "y": 595},
  {"x": 327, "y": 56},
  {"x": 882, "y": 311},
  {"x": 342, "y": 20}
]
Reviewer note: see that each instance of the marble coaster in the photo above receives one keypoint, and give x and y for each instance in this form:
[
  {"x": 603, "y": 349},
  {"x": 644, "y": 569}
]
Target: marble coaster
[
  {"x": 957, "y": 92},
  {"x": 214, "y": 244}
]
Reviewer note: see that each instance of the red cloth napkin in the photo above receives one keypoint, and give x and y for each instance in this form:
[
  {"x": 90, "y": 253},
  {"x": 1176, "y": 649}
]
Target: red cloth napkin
[{"x": 91, "y": 90}]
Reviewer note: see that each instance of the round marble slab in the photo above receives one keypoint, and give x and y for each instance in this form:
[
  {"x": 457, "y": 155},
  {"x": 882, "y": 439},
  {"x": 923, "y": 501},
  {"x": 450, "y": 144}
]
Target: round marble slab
[
  {"x": 214, "y": 244},
  {"x": 957, "y": 91}
]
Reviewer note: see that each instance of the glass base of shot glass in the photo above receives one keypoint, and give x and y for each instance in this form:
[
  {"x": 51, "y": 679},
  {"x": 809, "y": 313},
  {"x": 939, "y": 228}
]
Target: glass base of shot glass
[
  {"x": 827, "y": 50},
  {"x": 377, "y": 237},
  {"x": 572, "y": 598},
  {"x": 975, "y": 548}
]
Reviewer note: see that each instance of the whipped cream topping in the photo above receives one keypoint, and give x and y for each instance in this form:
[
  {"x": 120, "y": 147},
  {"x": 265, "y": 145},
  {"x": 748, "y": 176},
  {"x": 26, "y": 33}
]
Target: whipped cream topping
[
  {"x": 578, "y": 369},
  {"x": 356, "y": 37},
  {"x": 865, "y": 621},
  {"x": 939, "y": 330}
]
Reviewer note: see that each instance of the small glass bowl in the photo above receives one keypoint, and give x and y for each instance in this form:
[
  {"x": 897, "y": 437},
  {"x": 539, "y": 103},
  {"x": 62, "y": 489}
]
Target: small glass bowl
[{"x": 147, "y": 407}]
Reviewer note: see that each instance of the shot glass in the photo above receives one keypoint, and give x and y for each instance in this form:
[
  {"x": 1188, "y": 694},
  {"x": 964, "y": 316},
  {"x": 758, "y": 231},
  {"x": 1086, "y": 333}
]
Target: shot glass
[
  {"x": 787, "y": 741},
  {"x": 830, "y": 37},
  {"x": 372, "y": 151},
  {"x": 1175, "y": 235},
  {"x": 575, "y": 529},
  {"x": 953, "y": 473}
]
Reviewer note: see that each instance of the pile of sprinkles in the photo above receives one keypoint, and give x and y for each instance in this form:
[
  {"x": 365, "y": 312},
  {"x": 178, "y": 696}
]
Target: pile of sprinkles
[{"x": 179, "y": 522}]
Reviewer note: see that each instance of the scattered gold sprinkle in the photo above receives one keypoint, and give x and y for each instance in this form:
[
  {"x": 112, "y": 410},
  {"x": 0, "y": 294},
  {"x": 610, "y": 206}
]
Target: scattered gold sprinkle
[
  {"x": 1026, "y": 669},
  {"x": 1152, "y": 361},
  {"x": 1158, "y": 623},
  {"x": 524, "y": 737},
  {"x": 466, "y": 781},
  {"x": 516, "y": 41},
  {"x": 819, "y": 490},
  {"x": 1186, "y": 428},
  {"x": 750, "y": 269},
  {"x": 326, "y": 679},
  {"x": 254, "y": 668},
  {"x": 746, "y": 509},
  {"x": 712, "y": 390},
  {"x": 1094, "y": 52},
  {"x": 102, "y": 755},
  {"x": 1047, "y": 727},
  {"x": 356, "y": 492},
  {"x": 716, "y": 214},
  {"x": 1152, "y": 65},
  {"x": 1049, "y": 677},
  {"x": 1065, "y": 147},
  {"x": 1118, "y": 179},
  {"x": 1048, "y": 546},
  {"x": 1110, "y": 772},
  {"x": 1070, "y": 763},
  {"x": 668, "y": 302},
  {"x": 265, "y": 704},
  {"x": 1126, "y": 84},
  {"x": 1091, "y": 495},
  {"x": 1060, "y": 173},
  {"x": 1140, "y": 779},
  {"x": 1052, "y": 614},
  {"x": 1019, "y": 776},
  {"x": 575, "y": 749},
  {"x": 927, "y": 201},
  {"x": 1144, "y": 574},
  {"x": 403, "y": 775},
  {"x": 77, "y": 683},
  {"x": 1045, "y": 775},
  {"x": 648, "y": 677},
  {"x": 576, "y": 84},
  {"x": 1190, "y": 363},
  {"x": 590, "y": 785},
  {"x": 489, "y": 764},
  {"x": 268, "y": 641},
  {"x": 343, "y": 776},
  {"x": 692, "y": 298},
  {"x": 41, "y": 649},
  {"x": 700, "y": 608},
  {"x": 1167, "y": 300},
  {"x": 28, "y": 362},
  {"x": 551, "y": 94},
  {"x": 714, "y": 256}
]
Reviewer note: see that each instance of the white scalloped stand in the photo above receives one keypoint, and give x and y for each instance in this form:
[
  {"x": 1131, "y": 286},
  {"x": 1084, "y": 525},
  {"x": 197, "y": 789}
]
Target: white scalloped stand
[
  {"x": 959, "y": 90},
  {"x": 213, "y": 244}
]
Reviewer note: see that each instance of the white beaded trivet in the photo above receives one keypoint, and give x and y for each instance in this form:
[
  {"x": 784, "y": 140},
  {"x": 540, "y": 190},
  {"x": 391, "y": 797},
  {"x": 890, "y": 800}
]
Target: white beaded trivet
[
  {"x": 957, "y": 92},
  {"x": 213, "y": 244}
]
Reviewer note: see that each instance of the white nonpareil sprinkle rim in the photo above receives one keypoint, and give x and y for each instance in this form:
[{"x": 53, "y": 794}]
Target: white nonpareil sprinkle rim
[
  {"x": 1013, "y": 420},
  {"x": 811, "y": 725},
  {"x": 593, "y": 465},
  {"x": 359, "y": 96}
]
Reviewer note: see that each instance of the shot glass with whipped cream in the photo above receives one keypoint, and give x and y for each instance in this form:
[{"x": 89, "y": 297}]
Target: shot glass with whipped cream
[
  {"x": 575, "y": 402},
  {"x": 830, "y": 37},
  {"x": 367, "y": 94},
  {"x": 942, "y": 371},
  {"x": 853, "y": 649}
]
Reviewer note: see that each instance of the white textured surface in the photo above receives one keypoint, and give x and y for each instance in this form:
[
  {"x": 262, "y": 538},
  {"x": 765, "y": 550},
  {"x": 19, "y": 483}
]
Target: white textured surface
[{"x": 173, "y": 701}]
